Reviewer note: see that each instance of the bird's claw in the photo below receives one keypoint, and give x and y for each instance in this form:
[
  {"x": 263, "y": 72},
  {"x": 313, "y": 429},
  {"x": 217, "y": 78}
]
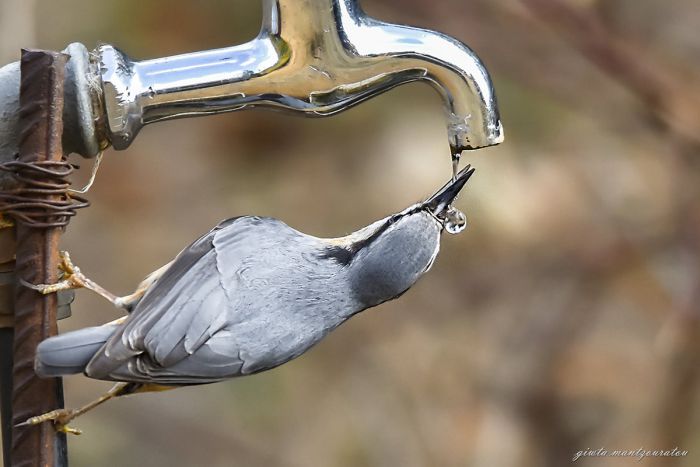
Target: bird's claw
[
  {"x": 66, "y": 265},
  {"x": 68, "y": 429},
  {"x": 60, "y": 419},
  {"x": 72, "y": 278}
]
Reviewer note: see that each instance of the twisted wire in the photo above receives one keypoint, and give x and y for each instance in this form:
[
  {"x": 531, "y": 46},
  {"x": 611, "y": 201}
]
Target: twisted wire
[{"x": 43, "y": 199}]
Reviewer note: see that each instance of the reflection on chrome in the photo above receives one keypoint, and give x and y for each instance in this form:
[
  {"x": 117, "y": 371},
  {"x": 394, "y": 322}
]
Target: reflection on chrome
[{"x": 317, "y": 58}]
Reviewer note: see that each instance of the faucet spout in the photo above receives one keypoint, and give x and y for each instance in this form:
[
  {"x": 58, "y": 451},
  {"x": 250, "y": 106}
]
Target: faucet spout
[{"x": 316, "y": 59}]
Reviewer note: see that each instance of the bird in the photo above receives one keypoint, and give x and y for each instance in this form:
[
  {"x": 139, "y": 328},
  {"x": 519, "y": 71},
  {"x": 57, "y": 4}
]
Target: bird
[{"x": 248, "y": 296}]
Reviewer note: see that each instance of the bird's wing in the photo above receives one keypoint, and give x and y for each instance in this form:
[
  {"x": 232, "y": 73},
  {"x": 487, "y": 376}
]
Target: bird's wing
[
  {"x": 184, "y": 308},
  {"x": 211, "y": 362}
]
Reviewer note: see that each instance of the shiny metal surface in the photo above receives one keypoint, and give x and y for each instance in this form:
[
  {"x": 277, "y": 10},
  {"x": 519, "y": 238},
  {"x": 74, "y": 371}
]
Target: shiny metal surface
[{"x": 315, "y": 57}]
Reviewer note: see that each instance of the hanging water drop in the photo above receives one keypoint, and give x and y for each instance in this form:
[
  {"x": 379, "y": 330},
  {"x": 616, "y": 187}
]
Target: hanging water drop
[{"x": 455, "y": 221}]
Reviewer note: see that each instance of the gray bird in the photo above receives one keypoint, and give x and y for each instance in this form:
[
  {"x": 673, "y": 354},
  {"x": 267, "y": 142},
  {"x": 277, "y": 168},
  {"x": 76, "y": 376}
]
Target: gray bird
[{"x": 248, "y": 296}]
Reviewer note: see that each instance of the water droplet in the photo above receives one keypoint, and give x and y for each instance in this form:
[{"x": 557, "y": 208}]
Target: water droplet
[{"x": 455, "y": 221}]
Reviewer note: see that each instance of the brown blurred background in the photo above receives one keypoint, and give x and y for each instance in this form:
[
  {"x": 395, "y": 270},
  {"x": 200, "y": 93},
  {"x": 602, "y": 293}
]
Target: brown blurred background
[{"x": 565, "y": 318}]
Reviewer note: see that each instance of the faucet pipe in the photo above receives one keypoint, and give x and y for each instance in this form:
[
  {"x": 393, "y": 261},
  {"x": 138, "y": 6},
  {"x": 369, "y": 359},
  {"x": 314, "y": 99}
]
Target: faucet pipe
[{"x": 315, "y": 58}]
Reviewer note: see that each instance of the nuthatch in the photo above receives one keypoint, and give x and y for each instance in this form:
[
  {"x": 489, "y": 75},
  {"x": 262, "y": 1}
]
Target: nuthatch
[{"x": 248, "y": 296}]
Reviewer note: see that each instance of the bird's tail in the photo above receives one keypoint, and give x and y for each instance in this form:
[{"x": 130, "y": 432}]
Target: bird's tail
[{"x": 69, "y": 353}]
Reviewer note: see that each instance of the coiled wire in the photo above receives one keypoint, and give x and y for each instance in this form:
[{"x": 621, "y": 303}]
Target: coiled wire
[{"x": 42, "y": 199}]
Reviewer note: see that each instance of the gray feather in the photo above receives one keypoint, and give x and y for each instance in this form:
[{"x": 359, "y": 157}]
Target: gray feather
[{"x": 70, "y": 352}]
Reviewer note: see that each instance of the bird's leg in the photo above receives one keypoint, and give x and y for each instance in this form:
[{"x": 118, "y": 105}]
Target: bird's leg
[
  {"x": 62, "y": 417},
  {"x": 73, "y": 278}
]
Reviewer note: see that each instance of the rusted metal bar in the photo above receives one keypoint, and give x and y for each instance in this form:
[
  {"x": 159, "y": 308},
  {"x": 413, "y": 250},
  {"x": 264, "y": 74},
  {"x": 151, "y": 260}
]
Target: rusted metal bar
[
  {"x": 7, "y": 321},
  {"x": 6, "y": 338},
  {"x": 7, "y": 305},
  {"x": 41, "y": 128}
]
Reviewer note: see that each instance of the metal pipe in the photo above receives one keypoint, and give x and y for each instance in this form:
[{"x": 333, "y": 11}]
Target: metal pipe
[
  {"x": 41, "y": 108},
  {"x": 316, "y": 58}
]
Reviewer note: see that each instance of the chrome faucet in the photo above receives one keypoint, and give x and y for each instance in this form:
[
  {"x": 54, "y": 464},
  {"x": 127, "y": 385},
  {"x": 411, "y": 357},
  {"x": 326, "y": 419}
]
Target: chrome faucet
[{"x": 314, "y": 57}]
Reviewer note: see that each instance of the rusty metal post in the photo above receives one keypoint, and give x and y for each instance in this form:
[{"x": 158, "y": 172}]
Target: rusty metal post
[
  {"x": 7, "y": 321},
  {"x": 41, "y": 128},
  {"x": 6, "y": 335},
  {"x": 7, "y": 305}
]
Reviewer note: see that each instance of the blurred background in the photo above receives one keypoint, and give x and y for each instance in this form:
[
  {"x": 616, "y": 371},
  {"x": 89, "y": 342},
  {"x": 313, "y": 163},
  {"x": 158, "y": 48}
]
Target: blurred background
[{"x": 565, "y": 318}]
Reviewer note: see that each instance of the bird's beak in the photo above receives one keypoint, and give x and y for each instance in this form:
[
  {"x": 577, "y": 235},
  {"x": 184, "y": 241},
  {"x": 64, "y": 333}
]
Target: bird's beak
[{"x": 448, "y": 193}]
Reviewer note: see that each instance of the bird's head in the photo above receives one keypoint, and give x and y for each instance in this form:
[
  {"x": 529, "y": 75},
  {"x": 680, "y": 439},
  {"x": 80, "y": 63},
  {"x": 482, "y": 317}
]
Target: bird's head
[{"x": 387, "y": 257}]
